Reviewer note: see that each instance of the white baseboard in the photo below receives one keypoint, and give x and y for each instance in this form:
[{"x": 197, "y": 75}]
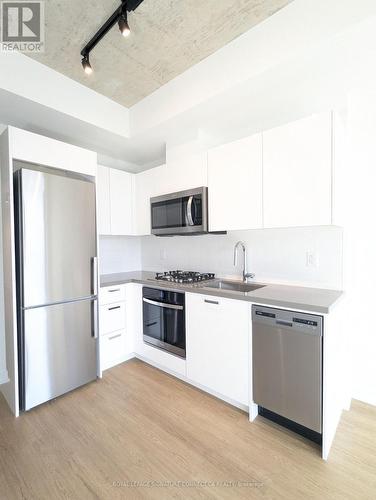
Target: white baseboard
[
  {"x": 4, "y": 378},
  {"x": 216, "y": 394},
  {"x": 118, "y": 361}
]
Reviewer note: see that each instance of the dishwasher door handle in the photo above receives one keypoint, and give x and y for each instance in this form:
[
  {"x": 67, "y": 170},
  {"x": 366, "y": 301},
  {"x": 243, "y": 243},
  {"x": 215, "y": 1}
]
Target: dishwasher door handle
[{"x": 283, "y": 323}]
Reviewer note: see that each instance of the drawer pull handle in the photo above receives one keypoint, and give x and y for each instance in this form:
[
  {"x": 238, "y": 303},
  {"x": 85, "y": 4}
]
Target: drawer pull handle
[
  {"x": 212, "y": 302},
  {"x": 114, "y": 290},
  {"x": 114, "y": 336},
  {"x": 113, "y": 308}
]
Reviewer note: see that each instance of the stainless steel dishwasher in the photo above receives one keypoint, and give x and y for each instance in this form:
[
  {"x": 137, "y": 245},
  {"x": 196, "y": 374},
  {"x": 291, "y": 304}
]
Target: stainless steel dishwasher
[{"x": 287, "y": 368}]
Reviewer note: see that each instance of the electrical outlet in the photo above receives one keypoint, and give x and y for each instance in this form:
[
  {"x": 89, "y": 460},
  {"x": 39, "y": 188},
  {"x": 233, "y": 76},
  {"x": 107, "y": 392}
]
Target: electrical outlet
[{"x": 312, "y": 259}]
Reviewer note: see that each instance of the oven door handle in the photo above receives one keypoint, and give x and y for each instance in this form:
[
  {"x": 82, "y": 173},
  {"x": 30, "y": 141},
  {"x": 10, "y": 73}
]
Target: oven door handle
[
  {"x": 162, "y": 304},
  {"x": 189, "y": 212}
]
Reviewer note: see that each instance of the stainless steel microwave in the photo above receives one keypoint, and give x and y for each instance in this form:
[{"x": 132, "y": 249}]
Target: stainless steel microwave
[{"x": 181, "y": 213}]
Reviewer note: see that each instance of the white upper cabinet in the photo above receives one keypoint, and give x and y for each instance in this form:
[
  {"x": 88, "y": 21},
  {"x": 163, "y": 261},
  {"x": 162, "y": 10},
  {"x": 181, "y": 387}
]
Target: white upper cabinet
[
  {"x": 281, "y": 178},
  {"x": 121, "y": 202},
  {"x": 297, "y": 170},
  {"x": 103, "y": 199},
  {"x": 235, "y": 185},
  {"x": 147, "y": 184},
  {"x": 115, "y": 195},
  {"x": 41, "y": 150},
  {"x": 184, "y": 172}
]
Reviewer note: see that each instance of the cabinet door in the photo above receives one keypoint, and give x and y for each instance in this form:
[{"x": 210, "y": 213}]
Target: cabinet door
[
  {"x": 121, "y": 193},
  {"x": 185, "y": 171},
  {"x": 113, "y": 349},
  {"x": 148, "y": 184},
  {"x": 218, "y": 345},
  {"x": 103, "y": 197},
  {"x": 298, "y": 173},
  {"x": 235, "y": 185}
]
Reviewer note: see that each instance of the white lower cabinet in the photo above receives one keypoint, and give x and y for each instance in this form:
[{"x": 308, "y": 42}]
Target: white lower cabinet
[
  {"x": 112, "y": 349},
  {"x": 116, "y": 340},
  {"x": 112, "y": 317},
  {"x": 112, "y": 294},
  {"x": 217, "y": 340},
  {"x": 218, "y": 345}
]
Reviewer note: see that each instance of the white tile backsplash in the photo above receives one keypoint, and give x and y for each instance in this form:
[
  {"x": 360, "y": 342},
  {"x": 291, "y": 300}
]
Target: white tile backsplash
[
  {"x": 119, "y": 254},
  {"x": 310, "y": 256}
]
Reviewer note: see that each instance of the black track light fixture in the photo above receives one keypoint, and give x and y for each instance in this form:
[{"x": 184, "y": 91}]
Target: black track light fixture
[
  {"x": 120, "y": 16},
  {"x": 123, "y": 24},
  {"x": 86, "y": 65}
]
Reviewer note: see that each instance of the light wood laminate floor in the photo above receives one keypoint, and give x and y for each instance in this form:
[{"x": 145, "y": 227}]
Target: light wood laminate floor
[{"x": 138, "y": 432}]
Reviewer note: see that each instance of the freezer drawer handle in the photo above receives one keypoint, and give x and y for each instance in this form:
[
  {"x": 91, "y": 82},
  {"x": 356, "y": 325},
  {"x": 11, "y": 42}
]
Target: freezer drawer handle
[
  {"x": 94, "y": 313},
  {"x": 114, "y": 290},
  {"x": 212, "y": 302},
  {"x": 113, "y": 308},
  {"x": 94, "y": 275},
  {"x": 283, "y": 323}
]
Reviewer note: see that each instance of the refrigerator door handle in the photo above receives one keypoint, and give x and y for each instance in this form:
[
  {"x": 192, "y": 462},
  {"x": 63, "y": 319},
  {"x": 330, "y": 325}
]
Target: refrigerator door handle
[
  {"x": 94, "y": 275},
  {"x": 94, "y": 319}
]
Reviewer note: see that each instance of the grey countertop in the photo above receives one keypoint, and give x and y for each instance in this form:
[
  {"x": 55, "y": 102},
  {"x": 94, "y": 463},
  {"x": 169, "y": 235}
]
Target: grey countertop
[{"x": 317, "y": 300}]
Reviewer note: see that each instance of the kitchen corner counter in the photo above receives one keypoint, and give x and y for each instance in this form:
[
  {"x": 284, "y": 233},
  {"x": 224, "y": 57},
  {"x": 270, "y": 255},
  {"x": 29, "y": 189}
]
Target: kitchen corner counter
[{"x": 317, "y": 300}]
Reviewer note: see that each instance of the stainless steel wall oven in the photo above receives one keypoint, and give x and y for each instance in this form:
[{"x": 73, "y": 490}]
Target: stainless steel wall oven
[{"x": 164, "y": 320}]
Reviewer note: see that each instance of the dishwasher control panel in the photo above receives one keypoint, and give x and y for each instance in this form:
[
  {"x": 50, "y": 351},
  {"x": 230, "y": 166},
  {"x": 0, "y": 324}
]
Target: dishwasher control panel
[{"x": 290, "y": 319}]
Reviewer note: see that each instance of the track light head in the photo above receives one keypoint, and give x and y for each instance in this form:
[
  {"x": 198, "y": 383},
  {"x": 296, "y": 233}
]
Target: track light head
[
  {"x": 86, "y": 65},
  {"x": 123, "y": 24}
]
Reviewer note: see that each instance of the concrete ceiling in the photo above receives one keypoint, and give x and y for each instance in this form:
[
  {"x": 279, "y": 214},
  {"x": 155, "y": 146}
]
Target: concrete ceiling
[{"x": 168, "y": 37}]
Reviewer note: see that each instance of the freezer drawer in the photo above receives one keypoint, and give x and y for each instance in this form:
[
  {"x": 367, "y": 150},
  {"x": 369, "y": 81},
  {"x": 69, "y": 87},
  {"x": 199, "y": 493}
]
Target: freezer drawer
[
  {"x": 287, "y": 364},
  {"x": 58, "y": 346}
]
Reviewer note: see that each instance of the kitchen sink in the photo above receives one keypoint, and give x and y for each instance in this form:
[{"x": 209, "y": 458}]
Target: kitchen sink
[{"x": 233, "y": 286}]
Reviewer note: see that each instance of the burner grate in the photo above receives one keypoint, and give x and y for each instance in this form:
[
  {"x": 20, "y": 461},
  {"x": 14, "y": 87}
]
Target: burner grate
[{"x": 184, "y": 276}]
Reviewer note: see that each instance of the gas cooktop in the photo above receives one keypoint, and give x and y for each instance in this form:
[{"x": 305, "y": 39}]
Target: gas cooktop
[{"x": 184, "y": 276}]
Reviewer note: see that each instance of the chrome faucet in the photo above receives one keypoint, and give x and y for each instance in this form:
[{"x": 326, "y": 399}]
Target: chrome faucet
[{"x": 245, "y": 274}]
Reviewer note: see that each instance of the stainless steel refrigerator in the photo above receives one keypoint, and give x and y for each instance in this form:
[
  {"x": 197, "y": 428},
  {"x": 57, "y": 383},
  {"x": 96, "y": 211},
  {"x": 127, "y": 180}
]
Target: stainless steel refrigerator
[{"x": 56, "y": 248}]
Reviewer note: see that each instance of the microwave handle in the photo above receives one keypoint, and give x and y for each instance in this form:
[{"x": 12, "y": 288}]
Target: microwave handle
[{"x": 189, "y": 211}]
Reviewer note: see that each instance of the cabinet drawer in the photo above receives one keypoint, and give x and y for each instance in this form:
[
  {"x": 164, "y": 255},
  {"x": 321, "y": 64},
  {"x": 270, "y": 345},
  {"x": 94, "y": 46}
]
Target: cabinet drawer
[
  {"x": 111, "y": 294},
  {"x": 112, "y": 348},
  {"x": 112, "y": 317}
]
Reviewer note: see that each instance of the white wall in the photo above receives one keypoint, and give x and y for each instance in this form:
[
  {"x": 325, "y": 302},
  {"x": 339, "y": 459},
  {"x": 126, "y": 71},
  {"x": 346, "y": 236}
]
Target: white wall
[
  {"x": 290, "y": 33},
  {"x": 275, "y": 255},
  {"x": 119, "y": 254},
  {"x": 360, "y": 228}
]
